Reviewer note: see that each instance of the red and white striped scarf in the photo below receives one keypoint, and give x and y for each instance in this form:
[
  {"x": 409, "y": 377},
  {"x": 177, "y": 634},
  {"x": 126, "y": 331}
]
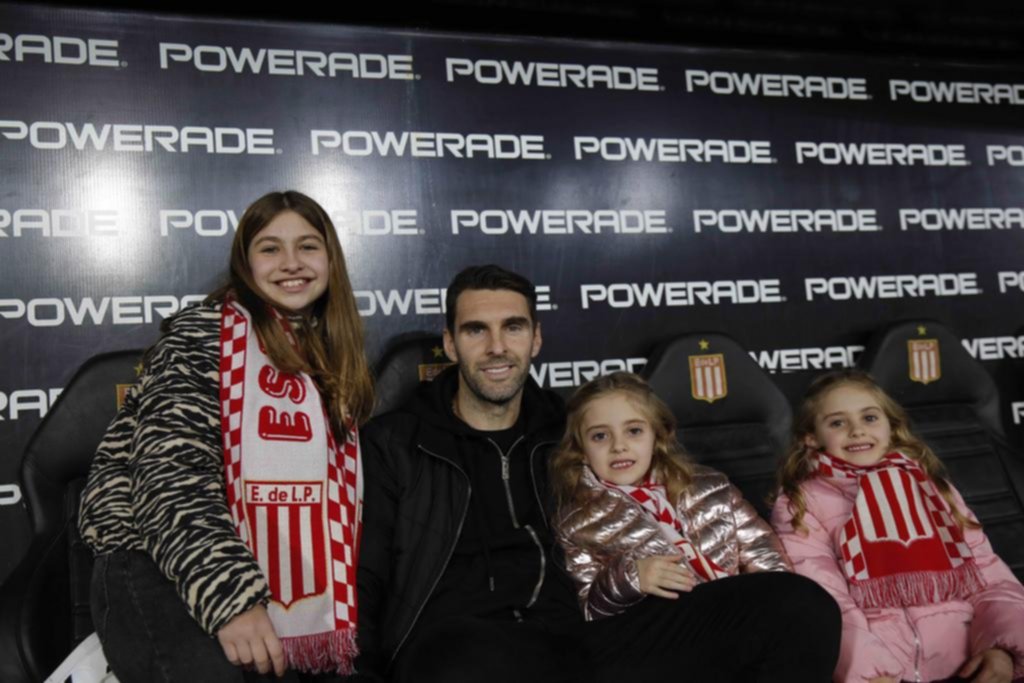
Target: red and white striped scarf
[
  {"x": 654, "y": 501},
  {"x": 901, "y": 546},
  {"x": 294, "y": 495}
]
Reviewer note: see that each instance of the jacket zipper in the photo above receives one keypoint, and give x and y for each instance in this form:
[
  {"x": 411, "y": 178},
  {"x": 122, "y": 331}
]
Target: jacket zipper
[
  {"x": 505, "y": 479},
  {"x": 917, "y": 647},
  {"x": 505, "y": 474},
  {"x": 451, "y": 551}
]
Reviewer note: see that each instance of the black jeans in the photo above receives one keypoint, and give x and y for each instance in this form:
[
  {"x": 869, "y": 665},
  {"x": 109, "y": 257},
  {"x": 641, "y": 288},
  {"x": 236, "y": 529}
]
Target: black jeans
[
  {"x": 148, "y": 635},
  {"x": 764, "y": 628}
]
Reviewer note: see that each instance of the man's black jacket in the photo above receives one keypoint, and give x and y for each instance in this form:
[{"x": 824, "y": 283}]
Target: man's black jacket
[{"x": 415, "y": 501}]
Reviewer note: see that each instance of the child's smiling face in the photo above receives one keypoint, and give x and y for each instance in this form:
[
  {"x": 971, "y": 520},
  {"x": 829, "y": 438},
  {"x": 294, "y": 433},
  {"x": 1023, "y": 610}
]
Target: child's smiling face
[
  {"x": 851, "y": 425},
  {"x": 618, "y": 439}
]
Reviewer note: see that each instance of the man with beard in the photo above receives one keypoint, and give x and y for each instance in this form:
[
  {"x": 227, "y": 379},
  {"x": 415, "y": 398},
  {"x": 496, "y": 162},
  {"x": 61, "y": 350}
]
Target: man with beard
[{"x": 460, "y": 579}]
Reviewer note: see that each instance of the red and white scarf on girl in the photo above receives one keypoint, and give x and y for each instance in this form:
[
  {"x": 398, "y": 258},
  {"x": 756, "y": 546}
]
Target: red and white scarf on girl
[
  {"x": 654, "y": 501},
  {"x": 294, "y": 494},
  {"x": 901, "y": 546}
]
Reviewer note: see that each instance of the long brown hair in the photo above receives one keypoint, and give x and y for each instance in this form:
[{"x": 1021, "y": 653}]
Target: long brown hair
[
  {"x": 668, "y": 464},
  {"x": 331, "y": 342},
  {"x": 798, "y": 466}
]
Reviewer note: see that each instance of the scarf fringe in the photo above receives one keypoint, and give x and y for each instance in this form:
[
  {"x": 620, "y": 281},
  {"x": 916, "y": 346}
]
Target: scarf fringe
[
  {"x": 328, "y": 652},
  {"x": 918, "y": 588}
]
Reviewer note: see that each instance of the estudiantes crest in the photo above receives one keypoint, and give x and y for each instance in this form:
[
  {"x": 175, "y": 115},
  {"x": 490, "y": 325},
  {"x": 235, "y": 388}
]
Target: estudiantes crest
[
  {"x": 707, "y": 377},
  {"x": 923, "y": 360}
]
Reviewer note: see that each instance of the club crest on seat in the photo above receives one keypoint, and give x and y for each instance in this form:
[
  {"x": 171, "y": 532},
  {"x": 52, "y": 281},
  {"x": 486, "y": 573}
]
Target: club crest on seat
[
  {"x": 923, "y": 360},
  {"x": 707, "y": 377}
]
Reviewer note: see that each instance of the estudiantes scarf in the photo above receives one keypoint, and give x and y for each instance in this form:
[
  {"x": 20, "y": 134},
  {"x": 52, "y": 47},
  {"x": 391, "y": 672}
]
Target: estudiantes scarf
[
  {"x": 654, "y": 501},
  {"x": 294, "y": 495},
  {"x": 901, "y": 546}
]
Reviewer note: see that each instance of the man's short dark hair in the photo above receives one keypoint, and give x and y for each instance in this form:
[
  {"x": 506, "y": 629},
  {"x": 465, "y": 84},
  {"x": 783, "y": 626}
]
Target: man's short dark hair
[{"x": 487, "y": 277}]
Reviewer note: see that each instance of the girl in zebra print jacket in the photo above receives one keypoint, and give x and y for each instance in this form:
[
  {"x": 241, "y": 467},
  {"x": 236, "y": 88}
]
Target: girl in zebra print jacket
[{"x": 223, "y": 503}]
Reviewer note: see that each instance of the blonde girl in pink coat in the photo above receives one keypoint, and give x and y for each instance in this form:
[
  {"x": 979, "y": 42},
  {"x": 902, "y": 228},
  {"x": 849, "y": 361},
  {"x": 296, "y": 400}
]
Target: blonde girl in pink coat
[{"x": 866, "y": 510}]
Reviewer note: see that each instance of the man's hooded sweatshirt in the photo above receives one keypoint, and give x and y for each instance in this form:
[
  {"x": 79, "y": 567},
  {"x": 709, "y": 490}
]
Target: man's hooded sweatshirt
[{"x": 455, "y": 520}]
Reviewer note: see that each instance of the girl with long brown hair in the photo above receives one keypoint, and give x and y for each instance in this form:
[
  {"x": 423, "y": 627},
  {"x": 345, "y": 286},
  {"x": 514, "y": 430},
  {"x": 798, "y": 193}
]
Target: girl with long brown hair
[{"x": 223, "y": 504}]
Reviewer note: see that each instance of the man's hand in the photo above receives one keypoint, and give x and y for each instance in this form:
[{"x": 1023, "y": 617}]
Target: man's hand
[
  {"x": 991, "y": 666},
  {"x": 249, "y": 639},
  {"x": 664, "y": 576}
]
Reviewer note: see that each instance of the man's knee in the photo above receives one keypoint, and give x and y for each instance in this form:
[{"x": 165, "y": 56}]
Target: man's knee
[{"x": 802, "y": 605}]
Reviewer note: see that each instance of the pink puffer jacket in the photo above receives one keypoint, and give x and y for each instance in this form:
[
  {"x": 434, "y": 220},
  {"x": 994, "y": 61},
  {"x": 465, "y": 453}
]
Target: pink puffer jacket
[
  {"x": 604, "y": 539},
  {"x": 924, "y": 643}
]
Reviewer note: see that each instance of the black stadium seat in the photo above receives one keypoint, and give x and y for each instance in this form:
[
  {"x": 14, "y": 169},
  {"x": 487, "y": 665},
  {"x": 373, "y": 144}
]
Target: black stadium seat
[
  {"x": 410, "y": 359},
  {"x": 731, "y": 415},
  {"x": 953, "y": 404},
  {"x": 44, "y": 603}
]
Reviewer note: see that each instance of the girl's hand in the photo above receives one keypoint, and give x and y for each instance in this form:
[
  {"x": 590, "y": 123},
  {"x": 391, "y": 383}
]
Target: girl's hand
[
  {"x": 991, "y": 666},
  {"x": 249, "y": 639},
  {"x": 664, "y": 576},
  {"x": 883, "y": 679}
]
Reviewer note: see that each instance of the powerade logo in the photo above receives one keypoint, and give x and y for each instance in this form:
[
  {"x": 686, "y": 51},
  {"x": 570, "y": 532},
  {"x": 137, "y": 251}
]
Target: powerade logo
[
  {"x": 880, "y": 154},
  {"x": 31, "y": 47},
  {"x": 933, "y": 220},
  {"x": 675, "y": 294},
  {"x": 33, "y": 402},
  {"x": 673, "y": 150},
  {"x": 809, "y": 358},
  {"x": 891, "y": 286},
  {"x": 1010, "y": 155},
  {"x": 568, "y": 374},
  {"x": 123, "y": 137},
  {"x": 113, "y": 310},
  {"x": 786, "y": 220},
  {"x": 551, "y": 75},
  {"x": 422, "y": 301},
  {"x": 219, "y": 222},
  {"x": 1010, "y": 280},
  {"x": 961, "y": 92},
  {"x": 283, "y": 62},
  {"x": 428, "y": 145},
  {"x": 59, "y": 223},
  {"x": 559, "y": 222},
  {"x": 777, "y": 85},
  {"x": 994, "y": 348}
]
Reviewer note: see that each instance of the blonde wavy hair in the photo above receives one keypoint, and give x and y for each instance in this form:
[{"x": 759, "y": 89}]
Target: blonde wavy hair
[
  {"x": 669, "y": 465},
  {"x": 798, "y": 466}
]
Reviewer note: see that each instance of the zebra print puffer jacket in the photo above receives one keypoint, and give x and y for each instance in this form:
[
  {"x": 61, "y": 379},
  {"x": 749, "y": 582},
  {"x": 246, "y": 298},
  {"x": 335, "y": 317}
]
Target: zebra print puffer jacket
[{"x": 157, "y": 483}]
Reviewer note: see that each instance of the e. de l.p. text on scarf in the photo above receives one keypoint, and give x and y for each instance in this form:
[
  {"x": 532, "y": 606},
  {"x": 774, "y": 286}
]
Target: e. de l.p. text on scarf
[{"x": 294, "y": 495}]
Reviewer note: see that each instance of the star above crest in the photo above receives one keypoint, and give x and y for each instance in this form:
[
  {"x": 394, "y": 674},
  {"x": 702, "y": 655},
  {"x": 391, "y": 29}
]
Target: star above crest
[{"x": 704, "y": 344}]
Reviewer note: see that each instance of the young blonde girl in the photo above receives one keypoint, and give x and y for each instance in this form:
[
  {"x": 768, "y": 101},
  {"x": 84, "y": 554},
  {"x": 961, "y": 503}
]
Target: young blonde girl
[
  {"x": 866, "y": 510},
  {"x": 636, "y": 519}
]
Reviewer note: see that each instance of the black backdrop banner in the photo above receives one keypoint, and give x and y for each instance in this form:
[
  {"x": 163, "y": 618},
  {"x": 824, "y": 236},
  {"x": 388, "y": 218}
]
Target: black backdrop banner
[{"x": 794, "y": 202}]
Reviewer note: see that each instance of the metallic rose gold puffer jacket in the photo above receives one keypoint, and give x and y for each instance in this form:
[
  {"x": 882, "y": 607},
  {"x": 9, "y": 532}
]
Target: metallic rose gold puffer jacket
[{"x": 604, "y": 539}]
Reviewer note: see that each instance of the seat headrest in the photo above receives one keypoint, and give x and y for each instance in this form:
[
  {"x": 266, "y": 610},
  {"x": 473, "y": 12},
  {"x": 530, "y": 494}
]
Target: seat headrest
[
  {"x": 64, "y": 443},
  {"x": 409, "y": 359},
  {"x": 708, "y": 379},
  {"x": 922, "y": 362}
]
